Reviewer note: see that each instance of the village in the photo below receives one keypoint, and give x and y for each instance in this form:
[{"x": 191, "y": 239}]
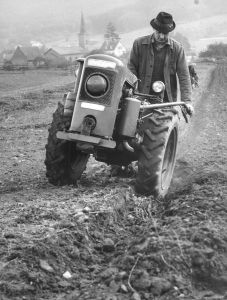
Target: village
[{"x": 62, "y": 55}]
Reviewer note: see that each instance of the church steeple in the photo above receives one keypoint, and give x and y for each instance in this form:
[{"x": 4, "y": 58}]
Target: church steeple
[{"x": 82, "y": 33}]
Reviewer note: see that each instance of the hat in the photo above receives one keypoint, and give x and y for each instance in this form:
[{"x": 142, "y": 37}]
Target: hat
[{"x": 163, "y": 23}]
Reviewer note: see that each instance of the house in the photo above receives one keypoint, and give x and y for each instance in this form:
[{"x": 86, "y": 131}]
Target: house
[
  {"x": 113, "y": 47},
  {"x": 22, "y": 57},
  {"x": 72, "y": 51},
  {"x": 54, "y": 59},
  {"x": 13, "y": 58},
  {"x": 31, "y": 53},
  {"x": 19, "y": 59}
]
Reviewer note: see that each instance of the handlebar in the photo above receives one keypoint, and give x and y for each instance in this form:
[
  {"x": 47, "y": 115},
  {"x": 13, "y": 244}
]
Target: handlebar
[{"x": 162, "y": 105}]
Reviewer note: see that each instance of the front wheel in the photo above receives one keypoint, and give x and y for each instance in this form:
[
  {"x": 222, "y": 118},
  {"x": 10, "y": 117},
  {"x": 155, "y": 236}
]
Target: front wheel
[
  {"x": 64, "y": 163},
  {"x": 158, "y": 153}
]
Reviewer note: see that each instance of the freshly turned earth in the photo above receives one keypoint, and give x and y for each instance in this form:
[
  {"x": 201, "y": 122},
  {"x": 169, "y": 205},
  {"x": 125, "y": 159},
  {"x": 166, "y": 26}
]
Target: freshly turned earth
[{"x": 100, "y": 240}]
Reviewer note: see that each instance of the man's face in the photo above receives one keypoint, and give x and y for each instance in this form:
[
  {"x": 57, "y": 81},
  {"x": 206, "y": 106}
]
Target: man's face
[{"x": 160, "y": 37}]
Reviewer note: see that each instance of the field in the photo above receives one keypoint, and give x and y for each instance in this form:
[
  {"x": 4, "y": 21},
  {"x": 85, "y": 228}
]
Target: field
[
  {"x": 100, "y": 240},
  {"x": 16, "y": 82}
]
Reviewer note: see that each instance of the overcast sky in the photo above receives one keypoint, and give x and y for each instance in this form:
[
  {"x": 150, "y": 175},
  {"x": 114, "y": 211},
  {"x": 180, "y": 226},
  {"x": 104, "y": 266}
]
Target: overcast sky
[
  {"x": 12, "y": 11},
  {"x": 31, "y": 11},
  {"x": 16, "y": 10}
]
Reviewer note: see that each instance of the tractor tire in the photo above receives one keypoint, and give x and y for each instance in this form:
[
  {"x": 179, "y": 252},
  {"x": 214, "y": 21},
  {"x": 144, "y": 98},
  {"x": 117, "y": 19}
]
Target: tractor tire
[
  {"x": 64, "y": 163},
  {"x": 157, "y": 155}
]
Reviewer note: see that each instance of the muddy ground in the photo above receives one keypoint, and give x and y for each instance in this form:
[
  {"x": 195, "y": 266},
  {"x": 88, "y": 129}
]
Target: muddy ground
[{"x": 100, "y": 240}]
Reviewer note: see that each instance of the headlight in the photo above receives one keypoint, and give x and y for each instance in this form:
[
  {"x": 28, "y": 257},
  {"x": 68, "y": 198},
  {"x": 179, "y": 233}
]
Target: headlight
[
  {"x": 158, "y": 86},
  {"x": 96, "y": 85}
]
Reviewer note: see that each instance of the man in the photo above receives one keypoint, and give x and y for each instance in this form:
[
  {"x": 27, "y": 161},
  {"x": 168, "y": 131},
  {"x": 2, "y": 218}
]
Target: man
[
  {"x": 158, "y": 57},
  {"x": 193, "y": 75}
]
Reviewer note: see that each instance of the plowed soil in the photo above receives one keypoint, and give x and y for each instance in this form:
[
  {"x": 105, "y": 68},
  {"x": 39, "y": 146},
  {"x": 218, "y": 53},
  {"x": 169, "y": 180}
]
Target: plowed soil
[{"x": 100, "y": 240}]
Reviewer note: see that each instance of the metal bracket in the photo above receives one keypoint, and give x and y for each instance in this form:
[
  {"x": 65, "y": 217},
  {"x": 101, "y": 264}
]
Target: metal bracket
[{"x": 71, "y": 136}]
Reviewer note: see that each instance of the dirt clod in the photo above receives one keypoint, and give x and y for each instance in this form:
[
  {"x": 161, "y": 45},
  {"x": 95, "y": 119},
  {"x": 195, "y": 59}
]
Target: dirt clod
[
  {"x": 108, "y": 245},
  {"x": 45, "y": 266}
]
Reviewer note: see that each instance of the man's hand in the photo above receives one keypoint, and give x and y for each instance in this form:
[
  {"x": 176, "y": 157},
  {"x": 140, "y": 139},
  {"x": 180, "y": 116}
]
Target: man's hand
[{"x": 189, "y": 109}]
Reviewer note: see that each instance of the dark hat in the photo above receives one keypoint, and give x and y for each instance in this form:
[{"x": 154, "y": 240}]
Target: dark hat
[{"x": 163, "y": 23}]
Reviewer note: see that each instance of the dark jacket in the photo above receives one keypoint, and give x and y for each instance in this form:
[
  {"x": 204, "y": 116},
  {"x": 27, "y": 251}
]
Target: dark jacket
[{"x": 141, "y": 64}]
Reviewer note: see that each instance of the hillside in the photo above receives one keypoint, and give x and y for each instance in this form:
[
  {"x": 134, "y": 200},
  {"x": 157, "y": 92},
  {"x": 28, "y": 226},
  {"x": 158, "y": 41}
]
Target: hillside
[
  {"x": 137, "y": 15},
  {"x": 200, "y": 33},
  {"x": 56, "y": 19}
]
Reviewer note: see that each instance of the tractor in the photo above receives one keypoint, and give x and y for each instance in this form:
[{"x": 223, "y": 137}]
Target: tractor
[{"x": 105, "y": 116}]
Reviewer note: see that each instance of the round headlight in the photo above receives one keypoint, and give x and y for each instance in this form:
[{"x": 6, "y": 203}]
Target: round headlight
[
  {"x": 96, "y": 85},
  {"x": 158, "y": 86}
]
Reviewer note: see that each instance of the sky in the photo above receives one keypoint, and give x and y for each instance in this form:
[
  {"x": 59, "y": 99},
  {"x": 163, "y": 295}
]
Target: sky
[
  {"x": 21, "y": 10},
  {"x": 30, "y": 12}
]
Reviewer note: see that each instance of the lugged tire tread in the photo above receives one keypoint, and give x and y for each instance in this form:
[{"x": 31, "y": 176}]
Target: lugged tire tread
[
  {"x": 152, "y": 151},
  {"x": 165, "y": 118},
  {"x": 155, "y": 147},
  {"x": 58, "y": 162},
  {"x": 153, "y": 121},
  {"x": 150, "y": 135},
  {"x": 160, "y": 130}
]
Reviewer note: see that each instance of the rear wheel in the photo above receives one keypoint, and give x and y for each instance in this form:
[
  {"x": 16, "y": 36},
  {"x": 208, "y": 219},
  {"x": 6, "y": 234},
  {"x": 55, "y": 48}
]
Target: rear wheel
[
  {"x": 158, "y": 153},
  {"x": 64, "y": 163}
]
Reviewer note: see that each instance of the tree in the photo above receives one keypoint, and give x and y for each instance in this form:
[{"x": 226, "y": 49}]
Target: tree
[
  {"x": 111, "y": 31},
  {"x": 217, "y": 50}
]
